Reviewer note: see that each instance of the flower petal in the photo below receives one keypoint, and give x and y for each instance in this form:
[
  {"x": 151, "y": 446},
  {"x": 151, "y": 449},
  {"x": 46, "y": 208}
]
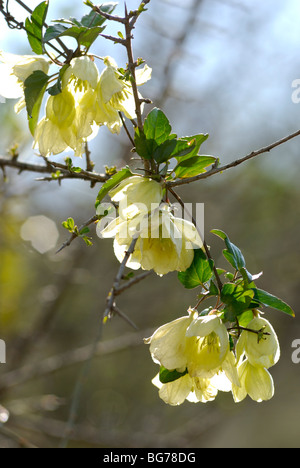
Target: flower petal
[
  {"x": 168, "y": 342},
  {"x": 175, "y": 393}
]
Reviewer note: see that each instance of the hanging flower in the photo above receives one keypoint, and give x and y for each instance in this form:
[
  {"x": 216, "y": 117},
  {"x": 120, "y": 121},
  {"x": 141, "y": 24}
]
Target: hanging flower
[
  {"x": 114, "y": 95},
  {"x": 198, "y": 344},
  {"x": 69, "y": 120},
  {"x": 194, "y": 390},
  {"x": 55, "y": 132},
  {"x": 255, "y": 381},
  {"x": 208, "y": 350},
  {"x": 261, "y": 350},
  {"x": 168, "y": 343},
  {"x": 164, "y": 244},
  {"x": 136, "y": 195},
  {"x": 81, "y": 75},
  {"x": 14, "y": 70}
]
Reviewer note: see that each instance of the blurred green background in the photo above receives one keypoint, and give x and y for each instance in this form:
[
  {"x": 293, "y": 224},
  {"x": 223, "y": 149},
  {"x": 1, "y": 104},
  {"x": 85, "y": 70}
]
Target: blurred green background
[{"x": 220, "y": 67}]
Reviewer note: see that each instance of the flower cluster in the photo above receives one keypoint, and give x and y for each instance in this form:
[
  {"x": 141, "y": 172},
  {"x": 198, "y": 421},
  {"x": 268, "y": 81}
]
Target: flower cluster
[
  {"x": 164, "y": 243},
  {"x": 86, "y": 102},
  {"x": 196, "y": 355}
]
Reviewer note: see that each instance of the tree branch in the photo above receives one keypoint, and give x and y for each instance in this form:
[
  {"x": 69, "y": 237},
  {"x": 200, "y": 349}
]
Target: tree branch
[
  {"x": 75, "y": 235},
  {"x": 207, "y": 251},
  {"x": 49, "y": 167},
  {"x": 53, "y": 364},
  {"x": 12, "y": 435},
  {"x": 217, "y": 170},
  {"x": 111, "y": 306}
]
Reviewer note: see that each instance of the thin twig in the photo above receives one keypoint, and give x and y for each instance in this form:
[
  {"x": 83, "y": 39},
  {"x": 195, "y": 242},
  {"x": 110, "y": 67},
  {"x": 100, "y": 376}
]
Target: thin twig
[
  {"x": 132, "y": 68},
  {"x": 107, "y": 16},
  {"x": 89, "y": 163},
  {"x": 23, "y": 345},
  {"x": 132, "y": 282},
  {"x": 49, "y": 169},
  {"x": 51, "y": 365},
  {"x": 130, "y": 20},
  {"x": 217, "y": 170},
  {"x": 75, "y": 400},
  {"x": 115, "y": 40},
  {"x": 121, "y": 314},
  {"x": 75, "y": 235},
  {"x": 112, "y": 294},
  {"x": 207, "y": 251},
  {"x": 12, "y": 435},
  {"x": 126, "y": 129}
]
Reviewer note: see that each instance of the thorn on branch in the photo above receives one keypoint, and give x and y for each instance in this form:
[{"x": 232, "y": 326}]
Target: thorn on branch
[
  {"x": 146, "y": 101},
  {"x": 115, "y": 40}
]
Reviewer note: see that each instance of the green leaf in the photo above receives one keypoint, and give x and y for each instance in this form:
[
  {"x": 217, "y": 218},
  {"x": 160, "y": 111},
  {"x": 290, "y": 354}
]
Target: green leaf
[
  {"x": 173, "y": 148},
  {"x": 268, "y": 300},
  {"x": 219, "y": 233},
  {"x": 213, "y": 289},
  {"x": 245, "y": 318},
  {"x": 53, "y": 32},
  {"x": 34, "y": 27},
  {"x": 193, "y": 166},
  {"x": 238, "y": 258},
  {"x": 156, "y": 131},
  {"x": 87, "y": 241},
  {"x": 199, "y": 273},
  {"x": 34, "y": 89},
  {"x": 237, "y": 299},
  {"x": 69, "y": 224},
  {"x": 85, "y": 31},
  {"x": 111, "y": 183},
  {"x": 85, "y": 230},
  {"x": 198, "y": 141},
  {"x": 233, "y": 254},
  {"x": 55, "y": 89},
  {"x": 87, "y": 38},
  {"x": 141, "y": 146},
  {"x": 94, "y": 19},
  {"x": 229, "y": 258},
  {"x": 157, "y": 127},
  {"x": 247, "y": 277},
  {"x": 164, "y": 152},
  {"x": 34, "y": 84},
  {"x": 166, "y": 376},
  {"x": 83, "y": 35}
]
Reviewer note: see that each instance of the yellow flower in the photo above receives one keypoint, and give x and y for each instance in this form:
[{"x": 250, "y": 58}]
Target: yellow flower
[
  {"x": 168, "y": 343},
  {"x": 137, "y": 194},
  {"x": 193, "y": 390},
  {"x": 82, "y": 74},
  {"x": 115, "y": 94},
  {"x": 261, "y": 351},
  {"x": 81, "y": 79},
  {"x": 207, "y": 345},
  {"x": 198, "y": 344},
  {"x": 70, "y": 115},
  {"x": 54, "y": 133},
  {"x": 164, "y": 244},
  {"x": 14, "y": 70},
  {"x": 206, "y": 358},
  {"x": 255, "y": 382}
]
